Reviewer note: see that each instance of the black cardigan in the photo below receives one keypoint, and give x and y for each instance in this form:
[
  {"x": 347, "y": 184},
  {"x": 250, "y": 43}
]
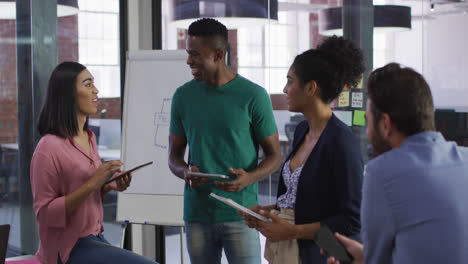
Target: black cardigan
[{"x": 329, "y": 187}]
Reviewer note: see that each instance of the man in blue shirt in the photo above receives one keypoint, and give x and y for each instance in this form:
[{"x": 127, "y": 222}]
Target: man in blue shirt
[{"x": 415, "y": 189}]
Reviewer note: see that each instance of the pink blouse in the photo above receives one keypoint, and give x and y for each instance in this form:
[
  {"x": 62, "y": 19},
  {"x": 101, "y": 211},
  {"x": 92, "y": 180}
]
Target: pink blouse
[{"x": 58, "y": 167}]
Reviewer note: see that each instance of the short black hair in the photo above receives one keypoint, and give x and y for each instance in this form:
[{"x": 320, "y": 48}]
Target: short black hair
[
  {"x": 212, "y": 30},
  {"x": 335, "y": 63},
  {"x": 404, "y": 95},
  {"x": 58, "y": 115}
]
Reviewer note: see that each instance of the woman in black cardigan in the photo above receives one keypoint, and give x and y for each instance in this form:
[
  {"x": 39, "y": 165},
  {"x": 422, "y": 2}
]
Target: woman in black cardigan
[{"x": 320, "y": 182}]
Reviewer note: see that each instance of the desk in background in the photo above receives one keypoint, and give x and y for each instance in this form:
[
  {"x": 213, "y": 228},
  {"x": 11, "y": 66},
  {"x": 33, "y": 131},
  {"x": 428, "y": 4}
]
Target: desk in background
[{"x": 27, "y": 259}]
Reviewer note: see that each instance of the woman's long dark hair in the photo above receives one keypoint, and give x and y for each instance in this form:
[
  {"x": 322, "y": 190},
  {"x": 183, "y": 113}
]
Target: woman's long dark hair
[{"x": 59, "y": 112}]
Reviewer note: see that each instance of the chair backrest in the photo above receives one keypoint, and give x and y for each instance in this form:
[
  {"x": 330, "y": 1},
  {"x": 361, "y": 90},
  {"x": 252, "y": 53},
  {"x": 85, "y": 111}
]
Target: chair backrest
[
  {"x": 4, "y": 234},
  {"x": 96, "y": 131},
  {"x": 1, "y": 156}
]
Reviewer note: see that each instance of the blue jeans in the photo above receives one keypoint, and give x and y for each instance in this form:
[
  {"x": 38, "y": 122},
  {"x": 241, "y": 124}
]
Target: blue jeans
[
  {"x": 96, "y": 249},
  {"x": 205, "y": 242}
]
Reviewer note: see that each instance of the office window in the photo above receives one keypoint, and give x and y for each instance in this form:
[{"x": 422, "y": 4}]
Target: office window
[
  {"x": 435, "y": 46},
  {"x": 99, "y": 51},
  {"x": 99, "y": 44},
  {"x": 90, "y": 37}
]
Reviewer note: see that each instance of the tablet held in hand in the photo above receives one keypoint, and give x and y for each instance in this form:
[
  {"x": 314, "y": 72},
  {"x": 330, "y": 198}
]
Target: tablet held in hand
[
  {"x": 239, "y": 207},
  {"x": 208, "y": 175},
  {"x": 129, "y": 171}
]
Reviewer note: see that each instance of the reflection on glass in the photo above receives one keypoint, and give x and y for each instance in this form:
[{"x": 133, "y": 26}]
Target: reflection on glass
[{"x": 99, "y": 51}]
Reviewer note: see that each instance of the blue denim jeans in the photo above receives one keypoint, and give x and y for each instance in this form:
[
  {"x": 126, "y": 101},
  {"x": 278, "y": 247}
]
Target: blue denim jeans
[
  {"x": 205, "y": 241},
  {"x": 96, "y": 249}
]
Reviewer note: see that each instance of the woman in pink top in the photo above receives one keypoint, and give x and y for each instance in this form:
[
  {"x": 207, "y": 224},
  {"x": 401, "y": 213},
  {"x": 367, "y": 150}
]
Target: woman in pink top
[{"x": 68, "y": 178}]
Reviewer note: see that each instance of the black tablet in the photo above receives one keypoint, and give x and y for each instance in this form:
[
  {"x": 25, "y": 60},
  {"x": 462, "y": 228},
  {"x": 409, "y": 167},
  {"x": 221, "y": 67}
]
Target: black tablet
[{"x": 129, "y": 171}]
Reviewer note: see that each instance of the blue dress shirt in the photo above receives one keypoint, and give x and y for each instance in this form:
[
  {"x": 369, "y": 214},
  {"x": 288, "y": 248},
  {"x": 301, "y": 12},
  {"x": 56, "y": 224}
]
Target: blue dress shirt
[{"x": 414, "y": 207}]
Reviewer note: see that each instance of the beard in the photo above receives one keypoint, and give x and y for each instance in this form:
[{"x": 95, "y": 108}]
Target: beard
[{"x": 379, "y": 145}]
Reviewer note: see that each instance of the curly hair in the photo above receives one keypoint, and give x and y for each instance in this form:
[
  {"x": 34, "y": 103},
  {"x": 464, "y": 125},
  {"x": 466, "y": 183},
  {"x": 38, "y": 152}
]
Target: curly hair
[
  {"x": 210, "y": 29},
  {"x": 335, "y": 63}
]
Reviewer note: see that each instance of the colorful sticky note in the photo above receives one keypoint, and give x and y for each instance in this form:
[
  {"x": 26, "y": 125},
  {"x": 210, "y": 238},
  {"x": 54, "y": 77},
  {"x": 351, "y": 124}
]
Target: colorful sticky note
[
  {"x": 359, "y": 119},
  {"x": 359, "y": 86},
  {"x": 181, "y": 34},
  {"x": 356, "y": 100},
  {"x": 345, "y": 116},
  {"x": 343, "y": 100}
]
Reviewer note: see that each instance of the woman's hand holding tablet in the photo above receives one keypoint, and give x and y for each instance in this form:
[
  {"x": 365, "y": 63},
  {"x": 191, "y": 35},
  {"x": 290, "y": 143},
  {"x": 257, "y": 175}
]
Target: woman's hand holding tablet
[{"x": 129, "y": 171}]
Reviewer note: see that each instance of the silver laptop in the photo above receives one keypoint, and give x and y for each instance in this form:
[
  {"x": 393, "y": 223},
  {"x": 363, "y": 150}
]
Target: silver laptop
[{"x": 4, "y": 234}]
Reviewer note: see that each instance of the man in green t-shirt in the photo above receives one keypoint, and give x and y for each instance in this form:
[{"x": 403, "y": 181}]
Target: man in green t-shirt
[{"x": 223, "y": 118}]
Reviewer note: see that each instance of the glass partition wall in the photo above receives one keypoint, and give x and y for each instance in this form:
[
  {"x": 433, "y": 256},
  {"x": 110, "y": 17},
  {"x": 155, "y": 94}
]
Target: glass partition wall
[
  {"x": 87, "y": 32},
  {"x": 261, "y": 50}
]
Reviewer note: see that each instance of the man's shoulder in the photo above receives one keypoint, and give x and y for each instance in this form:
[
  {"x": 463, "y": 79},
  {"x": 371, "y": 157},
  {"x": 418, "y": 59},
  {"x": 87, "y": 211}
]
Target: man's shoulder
[
  {"x": 241, "y": 79},
  {"x": 463, "y": 150},
  {"x": 248, "y": 85},
  {"x": 186, "y": 91},
  {"x": 387, "y": 163},
  {"x": 187, "y": 85},
  {"x": 415, "y": 157}
]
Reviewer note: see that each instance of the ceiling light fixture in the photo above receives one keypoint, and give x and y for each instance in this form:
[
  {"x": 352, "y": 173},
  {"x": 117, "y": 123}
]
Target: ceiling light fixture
[
  {"x": 232, "y": 13},
  {"x": 387, "y": 18}
]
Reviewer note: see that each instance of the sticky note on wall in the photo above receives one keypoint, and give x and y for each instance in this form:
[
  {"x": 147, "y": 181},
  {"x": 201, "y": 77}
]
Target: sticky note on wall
[
  {"x": 356, "y": 100},
  {"x": 343, "y": 100},
  {"x": 345, "y": 116},
  {"x": 359, "y": 119},
  {"x": 359, "y": 86}
]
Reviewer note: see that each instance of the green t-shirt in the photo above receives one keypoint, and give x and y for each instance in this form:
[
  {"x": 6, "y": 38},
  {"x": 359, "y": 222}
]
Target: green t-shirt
[{"x": 223, "y": 126}]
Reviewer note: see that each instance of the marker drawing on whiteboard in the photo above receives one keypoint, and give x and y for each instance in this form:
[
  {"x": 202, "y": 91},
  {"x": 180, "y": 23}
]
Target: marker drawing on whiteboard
[{"x": 161, "y": 122}]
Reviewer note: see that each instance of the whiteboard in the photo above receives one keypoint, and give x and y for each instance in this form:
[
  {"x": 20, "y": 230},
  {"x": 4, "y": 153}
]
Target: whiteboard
[{"x": 155, "y": 195}]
